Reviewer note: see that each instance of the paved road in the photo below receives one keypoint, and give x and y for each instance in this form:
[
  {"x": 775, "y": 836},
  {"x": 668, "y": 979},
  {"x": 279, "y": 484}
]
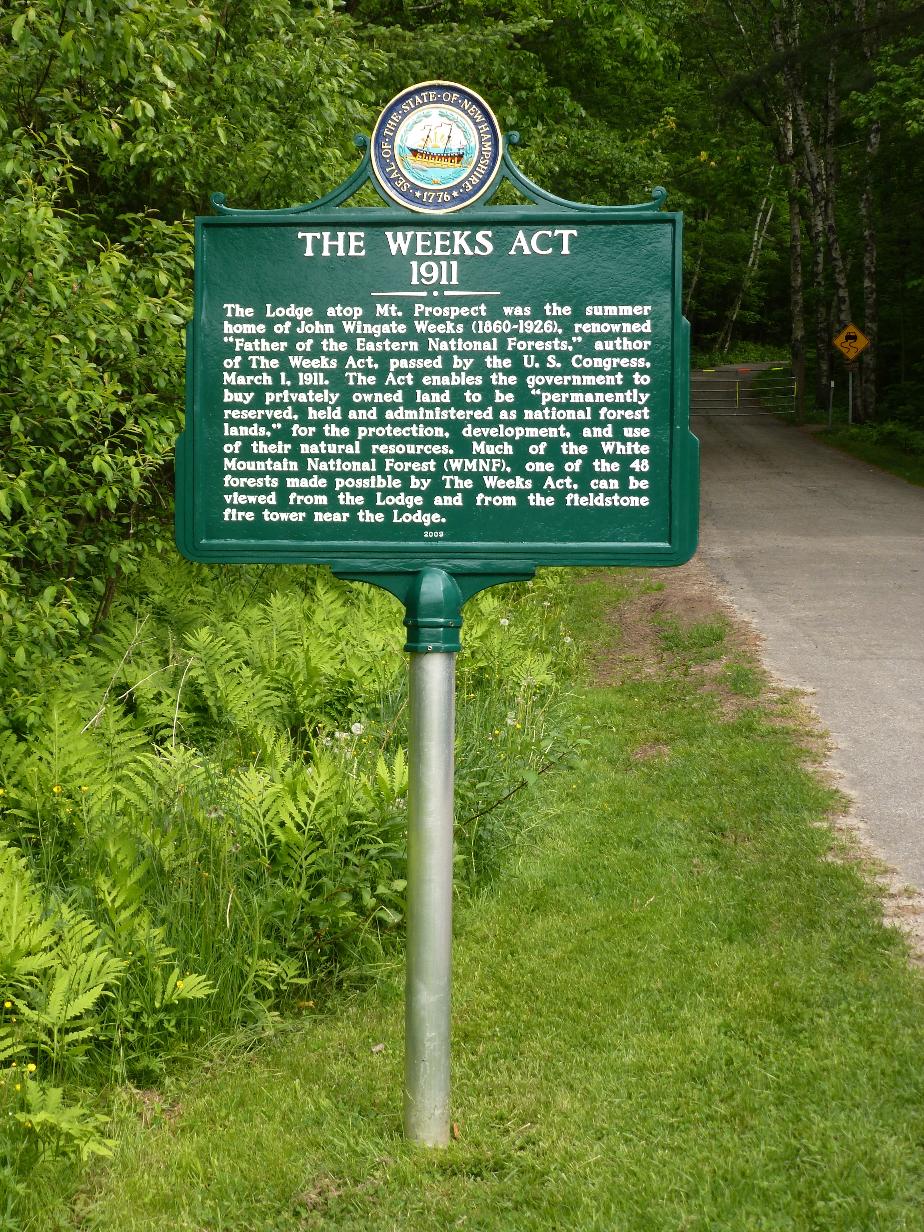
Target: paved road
[{"x": 826, "y": 555}]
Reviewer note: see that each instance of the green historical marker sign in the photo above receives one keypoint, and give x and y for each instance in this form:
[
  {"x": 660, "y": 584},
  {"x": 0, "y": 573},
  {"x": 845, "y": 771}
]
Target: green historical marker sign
[
  {"x": 436, "y": 396},
  {"x": 485, "y": 391}
]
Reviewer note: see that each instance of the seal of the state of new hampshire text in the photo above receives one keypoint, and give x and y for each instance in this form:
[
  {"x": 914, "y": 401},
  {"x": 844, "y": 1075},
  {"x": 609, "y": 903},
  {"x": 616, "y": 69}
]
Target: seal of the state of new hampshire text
[{"x": 436, "y": 147}]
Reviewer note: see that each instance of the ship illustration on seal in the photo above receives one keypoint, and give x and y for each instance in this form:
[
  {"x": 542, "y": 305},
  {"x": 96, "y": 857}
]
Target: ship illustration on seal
[
  {"x": 436, "y": 146},
  {"x": 442, "y": 146}
]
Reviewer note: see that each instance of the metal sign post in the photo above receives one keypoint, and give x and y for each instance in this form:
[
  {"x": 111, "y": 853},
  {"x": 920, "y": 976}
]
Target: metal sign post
[
  {"x": 437, "y": 397},
  {"x": 433, "y": 622},
  {"x": 429, "y": 898}
]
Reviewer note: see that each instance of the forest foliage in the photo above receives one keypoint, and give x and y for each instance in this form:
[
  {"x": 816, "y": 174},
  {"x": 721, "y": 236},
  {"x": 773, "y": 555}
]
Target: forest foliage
[
  {"x": 117, "y": 120},
  {"x": 202, "y": 771}
]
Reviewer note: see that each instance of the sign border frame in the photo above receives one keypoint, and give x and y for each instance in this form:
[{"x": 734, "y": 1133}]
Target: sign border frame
[{"x": 363, "y": 557}]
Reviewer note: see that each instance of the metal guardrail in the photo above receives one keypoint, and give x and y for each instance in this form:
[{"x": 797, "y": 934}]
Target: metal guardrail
[{"x": 747, "y": 391}]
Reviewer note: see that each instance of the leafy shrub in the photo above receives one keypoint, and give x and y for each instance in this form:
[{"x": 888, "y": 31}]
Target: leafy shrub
[
  {"x": 202, "y": 821},
  {"x": 894, "y": 446},
  {"x": 89, "y": 411},
  {"x": 739, "y": 353},
  {"x": 55, "y": 973},
  {"x": 116, "y": 121},
  {"x": 899, "y": 436},
  {"x": 903, "y": 403}
]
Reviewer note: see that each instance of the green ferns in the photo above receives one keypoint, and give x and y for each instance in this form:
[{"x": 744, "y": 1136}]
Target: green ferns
[
  {"x": 56, "y": 973},
  {"x": 202, "y": 817}
]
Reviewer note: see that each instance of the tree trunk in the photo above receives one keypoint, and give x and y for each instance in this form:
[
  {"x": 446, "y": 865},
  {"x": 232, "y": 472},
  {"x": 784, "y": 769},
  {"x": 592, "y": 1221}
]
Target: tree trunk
[
  {"x": 761, "y": 223},
  {"x": 796, "y": 286},
  {"x": 838, "y": 265},
  {"x": 870, "y": 293},
  {"x": 821, "y": 177},
  {"x": 842, "y": 313},
  {"x": 699, "y": 262},
  {"x": 820, "y": 303},
  {"x": 867, "y": 218}
]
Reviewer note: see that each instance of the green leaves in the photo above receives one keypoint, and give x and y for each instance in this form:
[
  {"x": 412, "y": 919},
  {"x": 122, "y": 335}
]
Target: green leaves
[
  {"x": 59, "y": 1130},
  {"x": 89, "y": 344},
  {"x": 54, "y": 968},
  {"x": 392, "y": 779},
  {"x": 108, "y": 112},
  {"x": 208, "y": 812}
]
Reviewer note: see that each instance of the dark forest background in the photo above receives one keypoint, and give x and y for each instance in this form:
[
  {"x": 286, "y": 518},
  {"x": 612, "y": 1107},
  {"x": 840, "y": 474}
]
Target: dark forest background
[{"x": 789, "y": 133}]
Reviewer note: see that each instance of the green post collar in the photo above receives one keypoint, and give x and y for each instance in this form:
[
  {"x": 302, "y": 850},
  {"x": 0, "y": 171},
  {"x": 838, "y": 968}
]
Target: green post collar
[
  {"x": 433, "y": 615},
  {"x": 433, "y": 598}
]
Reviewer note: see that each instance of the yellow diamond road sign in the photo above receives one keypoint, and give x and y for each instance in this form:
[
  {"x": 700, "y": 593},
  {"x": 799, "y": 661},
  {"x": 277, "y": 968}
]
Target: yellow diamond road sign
[{"x": 851, "y": 341}]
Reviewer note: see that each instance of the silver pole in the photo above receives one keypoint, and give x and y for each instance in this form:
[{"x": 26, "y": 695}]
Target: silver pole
[
  {"x": 429, "y": 898},
  {"x": 830, "y": 406},
  {"x": 849, "y": 396}
]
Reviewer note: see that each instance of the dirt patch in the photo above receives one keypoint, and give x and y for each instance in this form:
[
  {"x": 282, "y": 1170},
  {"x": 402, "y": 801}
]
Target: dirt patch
[
  {"x": 663, "y": 625},
  {"x": 324, "y": 1190},
  {"x": 902, "y": 905},
  {"x": 687, "y": 596},
  {"x": 316, "y": 1201},
  {"x": 646, "y": 752},
  {"x": 676, "y": 620},
  {"x": 153, "y": 1108}
]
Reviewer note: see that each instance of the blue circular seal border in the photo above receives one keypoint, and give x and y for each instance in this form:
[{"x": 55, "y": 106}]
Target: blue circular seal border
[{"x": 474, "y": 177}]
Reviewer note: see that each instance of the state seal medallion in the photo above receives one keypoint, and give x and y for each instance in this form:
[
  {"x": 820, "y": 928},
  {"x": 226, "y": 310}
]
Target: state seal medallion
[{"x": 436, "y": 147}]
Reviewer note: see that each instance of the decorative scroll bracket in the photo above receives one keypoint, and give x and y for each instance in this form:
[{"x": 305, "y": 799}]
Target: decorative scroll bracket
[{"x": 507, "y": 172}]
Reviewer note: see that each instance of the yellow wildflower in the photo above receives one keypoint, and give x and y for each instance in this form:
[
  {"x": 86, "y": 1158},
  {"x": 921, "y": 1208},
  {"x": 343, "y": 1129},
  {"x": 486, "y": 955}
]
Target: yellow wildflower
[
  {"x": 31, "y": 1067},
  {"x": 57, "y": 789}
]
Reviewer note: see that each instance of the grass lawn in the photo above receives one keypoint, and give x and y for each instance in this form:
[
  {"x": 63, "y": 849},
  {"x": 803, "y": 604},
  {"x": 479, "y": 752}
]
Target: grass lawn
[{"x": 673, "y": 1010}]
